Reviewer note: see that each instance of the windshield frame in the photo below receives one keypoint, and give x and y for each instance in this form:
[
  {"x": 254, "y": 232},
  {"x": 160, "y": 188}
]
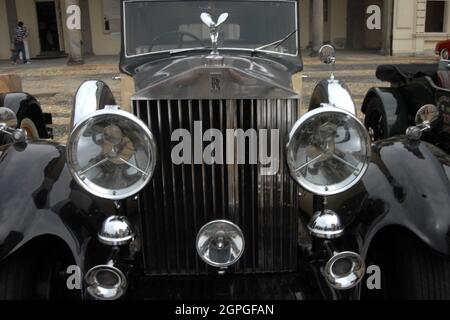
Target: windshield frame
[{"x": 297, "y": 33}]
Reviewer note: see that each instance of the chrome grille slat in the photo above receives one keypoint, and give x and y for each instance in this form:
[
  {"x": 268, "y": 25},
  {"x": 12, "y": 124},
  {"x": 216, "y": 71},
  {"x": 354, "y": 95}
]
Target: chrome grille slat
[
  {"x": 194, "y": 197},
  {"x": 254, "y": 194},
  {"x": 163, "y": 180},
  {"x": 223, "y": 167},
  {"x": 183, "y": 194},
  {"x": 180, "y": 199},
  {"x": 174, "y": 189}
]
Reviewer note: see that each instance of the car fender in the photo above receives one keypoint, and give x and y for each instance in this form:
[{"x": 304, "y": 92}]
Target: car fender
[
  {"x": 407, "y": 185},
  {"x": 334, "y": 92},
  {"x": 394, "y": 108},
  {"x": 39, "y": 198},
  {"x": 92, "y": 95},
  {"x": 25, "y": 105}
]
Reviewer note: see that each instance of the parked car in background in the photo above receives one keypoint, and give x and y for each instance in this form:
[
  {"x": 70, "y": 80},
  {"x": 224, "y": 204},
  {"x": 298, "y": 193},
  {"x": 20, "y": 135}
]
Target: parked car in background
[
  {"x": 390, "y": 111},
  {"x": 443, "y": 49},
  {"x": 171, "y": 196},
  {"x": 26, "y": 108}
]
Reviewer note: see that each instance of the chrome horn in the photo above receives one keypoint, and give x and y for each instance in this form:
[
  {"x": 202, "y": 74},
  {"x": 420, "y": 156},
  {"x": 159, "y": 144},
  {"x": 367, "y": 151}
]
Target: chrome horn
[
  {"x": 344, "y": 270},
  {"x": 106, "y": 282}
]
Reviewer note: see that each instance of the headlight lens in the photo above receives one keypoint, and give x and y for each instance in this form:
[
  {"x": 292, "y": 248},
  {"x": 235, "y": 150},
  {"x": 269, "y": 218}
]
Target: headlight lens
[
  {"x": 220, "y": 243},
  {"x": 111, "y": 154},
  {"x": 328, "y": 151}
]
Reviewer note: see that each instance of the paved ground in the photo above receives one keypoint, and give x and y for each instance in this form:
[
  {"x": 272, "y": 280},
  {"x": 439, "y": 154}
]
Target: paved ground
[{"x": 54, "y": 83}]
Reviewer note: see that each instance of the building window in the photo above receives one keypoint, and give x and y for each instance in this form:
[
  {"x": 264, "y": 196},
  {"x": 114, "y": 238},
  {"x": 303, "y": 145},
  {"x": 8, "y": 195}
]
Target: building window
[
  {"x": 434, "y": 20},
  {"x": 111, "y": 16}
]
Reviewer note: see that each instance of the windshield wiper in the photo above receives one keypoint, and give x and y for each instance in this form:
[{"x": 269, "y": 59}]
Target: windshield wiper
[{"x": 278, "y": 42}]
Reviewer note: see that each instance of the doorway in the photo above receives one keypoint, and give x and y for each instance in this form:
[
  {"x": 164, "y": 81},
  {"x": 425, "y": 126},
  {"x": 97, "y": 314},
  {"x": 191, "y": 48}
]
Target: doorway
[
  {"x": 48, "y": 27},
  {"x": 359, "y": 37}
]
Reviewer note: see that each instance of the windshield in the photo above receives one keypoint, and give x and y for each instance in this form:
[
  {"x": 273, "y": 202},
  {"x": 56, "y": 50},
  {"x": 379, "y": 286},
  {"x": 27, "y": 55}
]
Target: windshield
[{"x": 158, "y": 26}]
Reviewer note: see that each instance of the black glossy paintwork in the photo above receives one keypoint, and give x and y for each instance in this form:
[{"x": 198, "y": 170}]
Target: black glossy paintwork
[
  {"x": 25, "y": 105},
  {"x": 39, "y": 198},
  {"x": 414, "y": 191},
  {"x": 407, "y": 185},
  {"x": 395, "y": 109}
]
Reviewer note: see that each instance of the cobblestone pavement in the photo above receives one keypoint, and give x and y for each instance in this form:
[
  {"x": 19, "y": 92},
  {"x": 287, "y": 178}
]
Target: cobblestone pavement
[{"x": 54, "y": 83}]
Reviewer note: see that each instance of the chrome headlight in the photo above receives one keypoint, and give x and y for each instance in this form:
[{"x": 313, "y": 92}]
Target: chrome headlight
[
  {"x": 111, "y": 154},
  {"x": 220, "y": 243},
  {"x": 328, "y": 151}
]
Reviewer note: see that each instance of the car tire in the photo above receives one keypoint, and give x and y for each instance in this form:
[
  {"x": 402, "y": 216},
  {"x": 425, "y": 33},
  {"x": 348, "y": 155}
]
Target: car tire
[
  {"x": 375, "y": 120},
  {"x": 30, "y": 128},
  {"x": 445, "y": 54},
  {"x": 30, "y": 275},
  {"x": 412, "y": 271},
  {"x": 16, "y": 275}
]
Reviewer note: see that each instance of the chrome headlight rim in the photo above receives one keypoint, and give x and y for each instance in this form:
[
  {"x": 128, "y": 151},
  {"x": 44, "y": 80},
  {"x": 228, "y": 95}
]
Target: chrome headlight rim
[
  {"x": 99, "y": 191},
  {"x": 313, "y": 188},
  {"x": 210, "y": 262}
]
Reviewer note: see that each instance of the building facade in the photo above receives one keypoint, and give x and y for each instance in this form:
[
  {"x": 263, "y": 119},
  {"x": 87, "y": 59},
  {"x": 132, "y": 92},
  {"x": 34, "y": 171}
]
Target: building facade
[{"x": 407, "y": 27}]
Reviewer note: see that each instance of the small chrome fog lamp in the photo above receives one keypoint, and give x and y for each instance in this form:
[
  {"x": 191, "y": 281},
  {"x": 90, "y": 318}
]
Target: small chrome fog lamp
[
  {"x": 220, "y": 243},
  {"x": 116, "y": 231},
  {"x": 106, "y": 282},
  {"x": 328, "y": 151}
]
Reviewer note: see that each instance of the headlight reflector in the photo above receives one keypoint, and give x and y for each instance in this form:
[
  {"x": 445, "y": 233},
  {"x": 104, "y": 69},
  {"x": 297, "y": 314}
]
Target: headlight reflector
[
  {"x": 328, "y": 151},
  {"x": 220, "y": 243},
  {"x": 111, "y": 154}
]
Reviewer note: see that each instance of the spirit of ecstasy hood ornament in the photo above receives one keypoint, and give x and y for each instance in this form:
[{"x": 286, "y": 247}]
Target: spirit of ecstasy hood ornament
[{"x": 214, "y": 28}]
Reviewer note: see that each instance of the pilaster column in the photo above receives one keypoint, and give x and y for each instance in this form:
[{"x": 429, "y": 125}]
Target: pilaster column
[
  {"x": 317, "y": 24},
  {"x": 75, "y": 37},
  {"x": 387, "y": 19}
]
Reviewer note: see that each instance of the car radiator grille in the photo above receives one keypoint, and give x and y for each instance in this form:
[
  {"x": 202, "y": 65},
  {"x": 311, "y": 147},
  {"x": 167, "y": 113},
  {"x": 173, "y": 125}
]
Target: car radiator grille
[{"x": 180, "y": 199}]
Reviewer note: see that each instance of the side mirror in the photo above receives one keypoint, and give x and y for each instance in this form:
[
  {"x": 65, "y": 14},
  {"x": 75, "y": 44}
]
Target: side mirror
[
  {"x": 428, "y": 115},
  {"x": 426, "y": 119},
  {"x": 8, "y": 118},
  {"x": 327, "y": 54}
]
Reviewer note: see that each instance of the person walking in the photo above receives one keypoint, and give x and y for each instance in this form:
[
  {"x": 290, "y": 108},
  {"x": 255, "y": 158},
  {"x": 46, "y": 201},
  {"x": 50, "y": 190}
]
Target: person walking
[{"x": 20, "y": 34}]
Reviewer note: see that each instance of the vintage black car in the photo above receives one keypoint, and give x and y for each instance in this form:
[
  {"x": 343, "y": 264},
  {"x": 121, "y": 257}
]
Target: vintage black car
[
  {"x": 208, "y": 182},
  {"x": 390, "y": 111}
]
